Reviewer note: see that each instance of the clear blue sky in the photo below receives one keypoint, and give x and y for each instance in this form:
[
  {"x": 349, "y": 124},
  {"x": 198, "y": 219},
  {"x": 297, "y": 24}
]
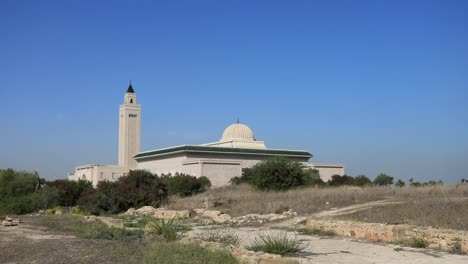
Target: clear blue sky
[{"x": 381, "y": 86}]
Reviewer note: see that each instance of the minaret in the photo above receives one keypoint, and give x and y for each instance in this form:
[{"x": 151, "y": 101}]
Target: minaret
[{"x": 129, "y": 129}]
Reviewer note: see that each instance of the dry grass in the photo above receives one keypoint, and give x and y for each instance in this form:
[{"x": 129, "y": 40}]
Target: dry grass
[
  {"x": 242, "y": 199},
  {"x": 440, "y": 211},
  {"x": 440, "y": 206}
]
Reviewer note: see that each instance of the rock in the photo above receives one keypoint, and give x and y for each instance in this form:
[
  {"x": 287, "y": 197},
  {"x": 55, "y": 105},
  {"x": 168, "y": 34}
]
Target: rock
[
  {"x": 211, "y": 213},
  {"x": 90, "y": 218},
  {"x": 58, "y": 211},
  {"x": 9, "y": 219},
  {"x": 112, "y": 222},
  {"x": 130, "y": 211},
  {"x": 15, "y": 222},
  {"x": 7, "y": 223},
  {"x": 199, "y": 211},
  {"x": 146, "y": 210},
  {"x": 171, "y": 214}
]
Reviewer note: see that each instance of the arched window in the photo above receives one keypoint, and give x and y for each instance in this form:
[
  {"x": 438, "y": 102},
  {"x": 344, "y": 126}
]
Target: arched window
[{"x": 131, "y": 101}]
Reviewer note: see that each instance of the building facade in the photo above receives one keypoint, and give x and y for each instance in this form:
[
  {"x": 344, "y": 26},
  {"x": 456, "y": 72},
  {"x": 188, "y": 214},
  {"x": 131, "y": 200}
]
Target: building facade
[
  {"x": 219, "y": 161},
  {"x": 129, "y": 145}
]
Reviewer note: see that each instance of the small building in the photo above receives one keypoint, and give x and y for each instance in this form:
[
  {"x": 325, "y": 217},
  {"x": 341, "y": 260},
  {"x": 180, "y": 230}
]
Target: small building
[{"x": 219, "y": 161}]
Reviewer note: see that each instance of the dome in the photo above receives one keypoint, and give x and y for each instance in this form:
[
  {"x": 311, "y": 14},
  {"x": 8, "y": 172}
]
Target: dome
[{"x": 238, "y": 131}]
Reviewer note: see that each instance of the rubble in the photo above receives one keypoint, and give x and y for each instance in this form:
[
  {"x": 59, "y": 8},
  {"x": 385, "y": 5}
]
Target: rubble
[{"x": 10, "y": 221}]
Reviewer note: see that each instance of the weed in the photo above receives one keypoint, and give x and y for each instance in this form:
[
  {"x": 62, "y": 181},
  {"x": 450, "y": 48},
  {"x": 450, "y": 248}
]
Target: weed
[
  {"x": 227, "y": 238},
  {"x": 457, "y": 248},
  {"x": 276, "y": 244},
  {"x": 187, "y": 253},
  {"x": 320, "y": 232},
  {"x": 415, "y": 242},
  {"x": 398, "y": 249},
  {"x": 166, "y": 229},
  {"x": 79, "y": 211}
]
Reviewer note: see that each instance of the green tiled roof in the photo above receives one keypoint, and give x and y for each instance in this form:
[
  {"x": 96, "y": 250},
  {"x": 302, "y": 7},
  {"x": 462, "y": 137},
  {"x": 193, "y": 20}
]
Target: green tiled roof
[{"x": 191, "y": 148}]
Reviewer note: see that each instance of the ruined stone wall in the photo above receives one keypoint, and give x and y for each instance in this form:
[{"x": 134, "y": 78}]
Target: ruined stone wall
[{"x": 439, "y": 239}]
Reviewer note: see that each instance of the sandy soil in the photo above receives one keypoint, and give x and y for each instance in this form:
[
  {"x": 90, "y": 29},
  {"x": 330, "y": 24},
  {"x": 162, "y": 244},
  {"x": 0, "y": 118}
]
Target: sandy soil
[
  {"x": 32, "y": 242},
  {"x": 339, "y": 250}
]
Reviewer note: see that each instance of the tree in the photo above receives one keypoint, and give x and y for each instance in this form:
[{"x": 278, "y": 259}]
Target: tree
[
  {"x": 185, "y": 185},
  {"x": 312, "y": 178},
  {"x": 69, "y": 191},
  {"x": 383, "y": 180},
  {"x": 362, "y": 180},
  {"x": 338, "y": 180},
  {"x": 413, "y": 183},
  {"x": 137, "y": 189},
  {"x": 278, "y": 173},
  {"x": 400, "y": 183}
]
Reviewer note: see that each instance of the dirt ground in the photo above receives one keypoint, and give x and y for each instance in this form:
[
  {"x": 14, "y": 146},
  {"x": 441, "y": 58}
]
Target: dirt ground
[
  {"x": 39, "y": 240},
  {"x": 35, "y": 241}
]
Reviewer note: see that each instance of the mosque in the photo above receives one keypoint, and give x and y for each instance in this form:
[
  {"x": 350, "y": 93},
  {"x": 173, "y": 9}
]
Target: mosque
[{"x": 219, "y": 161}]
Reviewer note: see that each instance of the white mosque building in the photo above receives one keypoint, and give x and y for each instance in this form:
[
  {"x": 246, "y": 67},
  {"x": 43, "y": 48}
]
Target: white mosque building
[{"x": 219, "y": 161}]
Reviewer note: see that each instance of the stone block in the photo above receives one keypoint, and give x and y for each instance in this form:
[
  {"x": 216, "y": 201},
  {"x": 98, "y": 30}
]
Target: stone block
[{"x": 112, "y": 222}]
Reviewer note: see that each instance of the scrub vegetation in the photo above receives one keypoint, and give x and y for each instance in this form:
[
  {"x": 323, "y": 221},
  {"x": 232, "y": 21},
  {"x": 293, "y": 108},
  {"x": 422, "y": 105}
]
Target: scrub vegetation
[{"x": 25, "y": 192}]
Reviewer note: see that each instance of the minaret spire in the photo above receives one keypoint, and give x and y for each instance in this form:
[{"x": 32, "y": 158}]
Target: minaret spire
[
  {"x": 237, "y": 120},
  {"x": 130, "y": 88}
]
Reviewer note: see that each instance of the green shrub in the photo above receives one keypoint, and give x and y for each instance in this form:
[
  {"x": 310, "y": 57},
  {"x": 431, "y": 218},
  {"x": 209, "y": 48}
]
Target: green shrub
[
  {"x": 338, "y": 180},
  {"x": 276, "y": 244},
  {"x": 137, "y": 189},
  {"x": 400, "y": 184},
  {"x": 383, "y": 180},
  {"x": 166, "y": 229},
  {"x": 79, "y": 211},
  {"x": 69, "y": 191},
  {"x": 278, "y": 173},
  {"x": 186, "y": 253},
  {"x": 362, "y": 180},
  {"x": 185, "y": 185},
  {"x": 313, "y": 178}
]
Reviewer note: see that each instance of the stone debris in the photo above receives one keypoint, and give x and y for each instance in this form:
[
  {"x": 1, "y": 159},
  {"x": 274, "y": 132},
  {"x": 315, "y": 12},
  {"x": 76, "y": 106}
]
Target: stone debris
[
  {"x": 112, "y": 222},
  {"x": 10, "y": 221},
  {"x": 439, "y": 239},
  {"x": 160, "y": 213},
  {"x": 244, "y": 255},
  {"x": 90, "y": 218},
  {"x": 218, "y": 217}
]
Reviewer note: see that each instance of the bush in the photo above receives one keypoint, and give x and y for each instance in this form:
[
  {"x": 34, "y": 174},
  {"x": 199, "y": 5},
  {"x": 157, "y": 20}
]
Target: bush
[
  {"x": 278, "y": 173},
  {"x": 383, "y": 180},
  {"x": 413, "y": 242},
  {"x": 313, "y": 178},
  {"x": 185, "y": 185},
  {"x": 338, "y": 180},
  {"x": 362, "y": 180},
  {"x": 166, "y": 229},
  {"x": 69, "y": 191},
  {"x": 276, "y": 244},
  {"x": 21, "y": 193},
  {"x": 15, "y": 183},
  {"x": 137, "y": 189},
  {"x": 400, "y": 184}
]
